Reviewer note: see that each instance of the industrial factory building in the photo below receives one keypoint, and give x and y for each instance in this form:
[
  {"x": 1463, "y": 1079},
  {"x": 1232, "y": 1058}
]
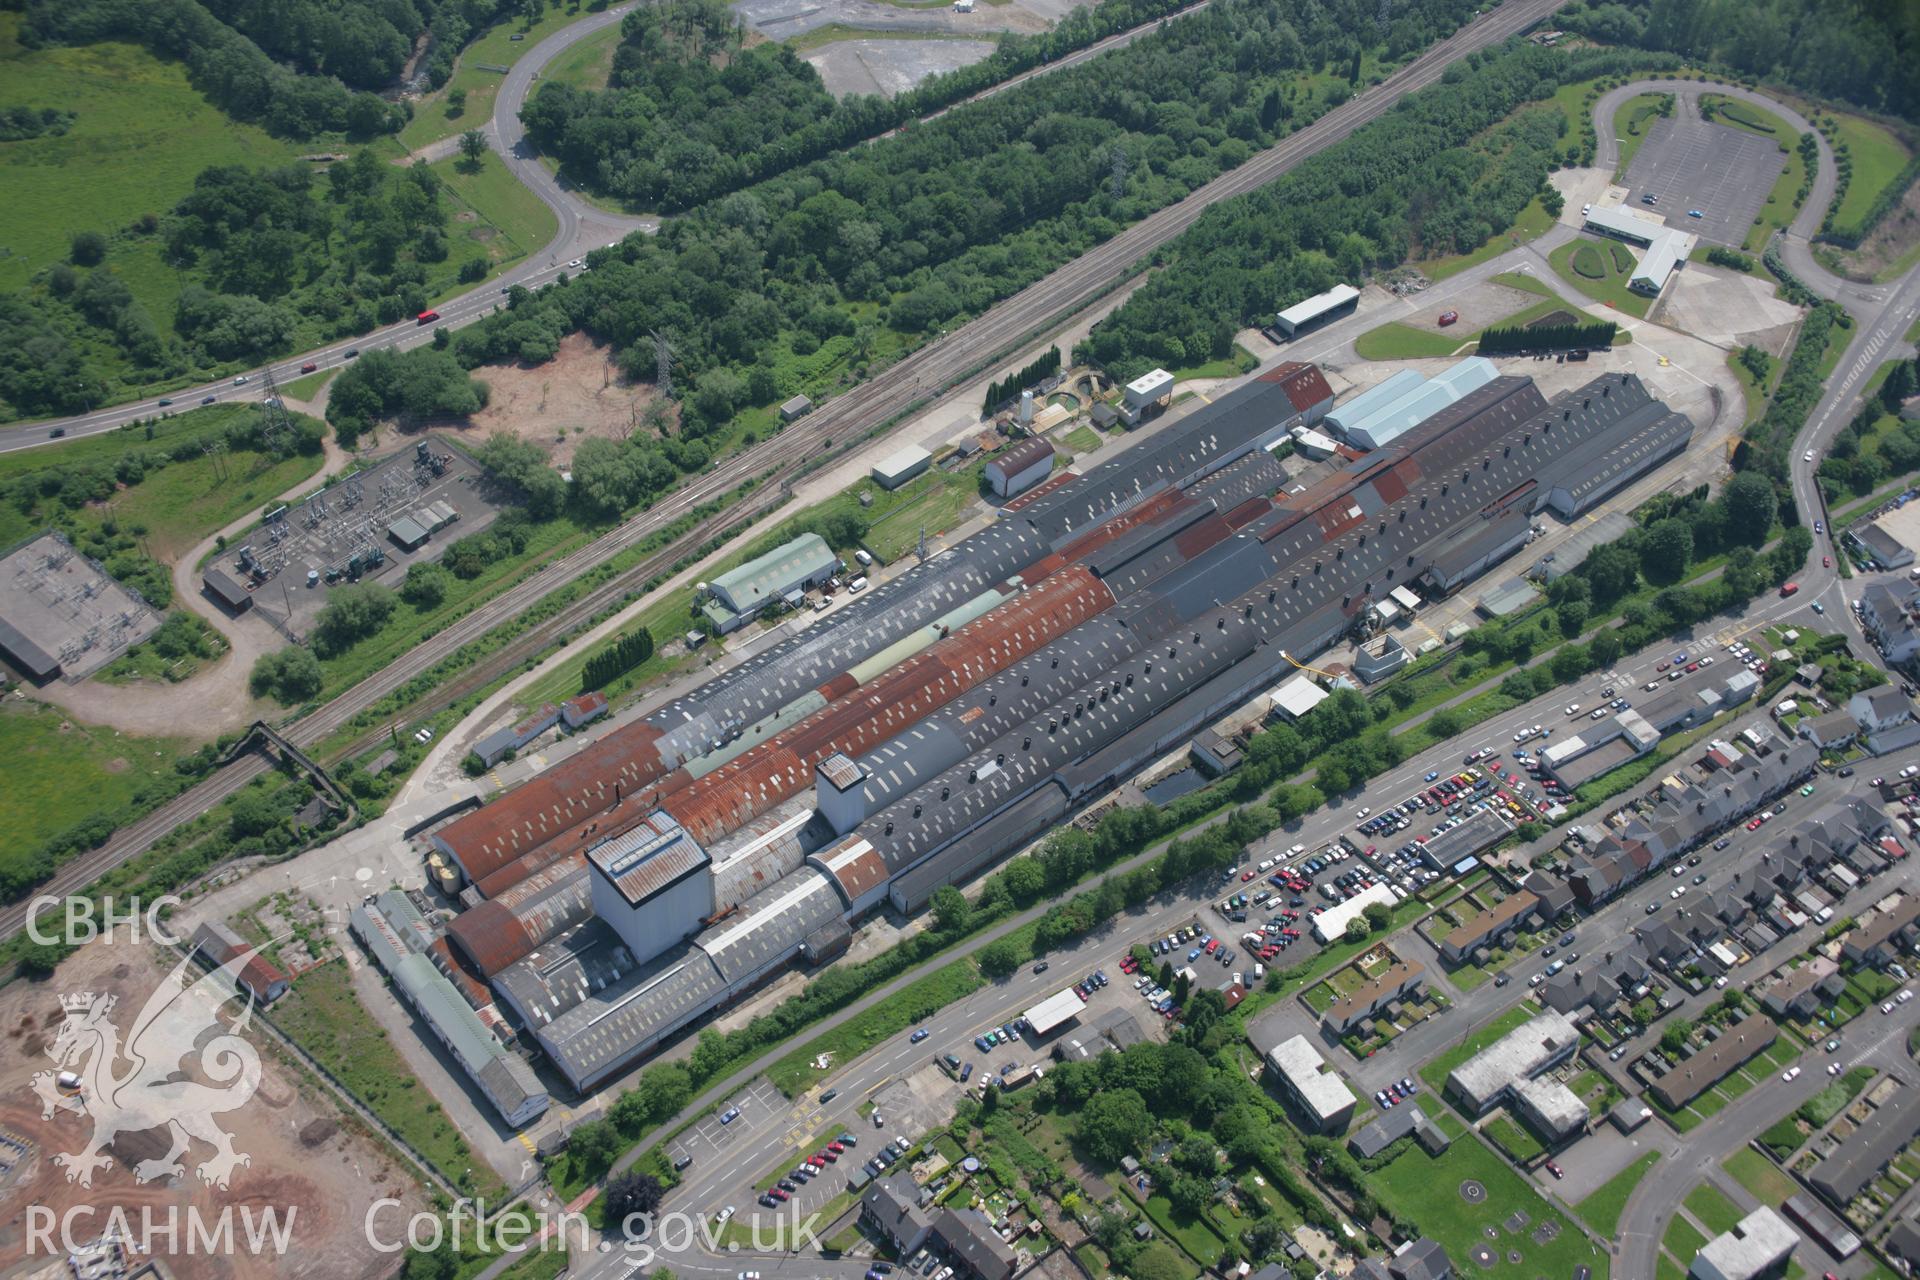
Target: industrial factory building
[{"x": 958, "y": 709}]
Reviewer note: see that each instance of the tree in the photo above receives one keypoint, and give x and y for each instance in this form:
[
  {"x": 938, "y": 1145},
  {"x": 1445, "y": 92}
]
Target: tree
[
  {"x": 473, "y": 145},
  {"x": 426, "y": 585},
  {"x": 1645, "y": 1011},
  {"x": 594, "y": 1144},
  {"x": 290, "y": 676},
  {"x": 1190, "y": 1194},
  {"x": 950, "y": 910},
  {"x": 1356, "y": 930},
  {"x": 87, "y": 249},
  {"x": 632, "y": 1193},
  {"x": 1666, "y": 550},
  {"x": 1114, "y": 1123},
  {"x": 1026, "y": 879},
  {"x": 456, "y": 103},
  {"x": 1000, "y": 958},
  {"x": 1751, "y": 506},
  {"x": 1675, "y": 1037},
  {"x": 1377, "y": 915},
  {"x": 1611, "y": 570},
  {"x": 351, "y": 614}
]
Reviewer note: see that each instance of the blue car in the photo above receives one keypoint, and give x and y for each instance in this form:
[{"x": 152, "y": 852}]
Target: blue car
[{"x": 920, "y": 1035}]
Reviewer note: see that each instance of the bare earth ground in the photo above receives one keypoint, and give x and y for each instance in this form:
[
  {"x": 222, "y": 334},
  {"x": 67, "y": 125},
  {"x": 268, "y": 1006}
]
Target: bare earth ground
[
  {"x": 306, "y": 1157},
  {"x": 577, "y": 395},
  {"x": 1484, "y": 304}
]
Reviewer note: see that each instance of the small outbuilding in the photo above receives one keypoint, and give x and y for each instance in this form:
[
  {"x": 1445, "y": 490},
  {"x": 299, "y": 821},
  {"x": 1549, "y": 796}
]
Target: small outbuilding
[
  {"x": 1020, "y": 468},
  {"x": 227, "y": 589},
  {"x": 798, "y": 407},
  {"x": 896, "y": 469}
]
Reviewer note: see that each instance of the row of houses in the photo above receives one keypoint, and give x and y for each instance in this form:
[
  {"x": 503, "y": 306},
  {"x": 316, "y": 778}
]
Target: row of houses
[
  {"x": 1778, "y": 888},
  {"x": 1880, "y": 719},
  {"x": 896, "y": 1209},
  {"x": 1729, "y": 785}
]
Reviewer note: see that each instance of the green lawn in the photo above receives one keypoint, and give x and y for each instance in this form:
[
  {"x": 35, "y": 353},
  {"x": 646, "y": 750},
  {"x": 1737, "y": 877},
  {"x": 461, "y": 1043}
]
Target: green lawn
[
  {"x": 589, "y": 63},
  {"x": 1397, "y": 341},
  {"x": 1083, "y": 440},
  {"x": 140, "y": 134},
  {"x": 324, "y": 1016},
  {"x": 1711, "y": 1208},
  {"x": 1610, "y": 287},
  {"x": 1239, "y": 361},
  {"x": 185, "y": 502},
  {"x": 60, "y": 771},
  {"x": 1603, "y": 1208},
  {"x": 1426, "y": 1191},
  {"x": 795, "y": 1073},
  {"x": 1878, "y": 158},
  {"x": 500, "y": 214},
  {"x": 1512, "y": 1137},
  {"x": 1682, "y": 1241},
  {"x": 939, "y": 502},
  {"x": 1760, "y": 1176},
  {"x": 307, "y": 386},
  {"x": 1533, "y": 222},
  {"x": 496, "y": 48},
  {"x": 1631, "y": 123}
]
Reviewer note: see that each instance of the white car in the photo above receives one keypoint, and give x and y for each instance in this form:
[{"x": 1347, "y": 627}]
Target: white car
[
  {"x": 1677, "y": 892},
  {"x": 1790, "y": 1074},
  {"x": 424, "y": 735},
  {"x": 574, "y": 263},
  {"x": 1364, "y": 812},
  {"x": 1573, "y": 708},
  {"x": 1904, "y": 996},
  {"x": 724, "y": 1215},
  {"x": 1833, "y": 1068},
  {"x": 1887, "y": 1007}
]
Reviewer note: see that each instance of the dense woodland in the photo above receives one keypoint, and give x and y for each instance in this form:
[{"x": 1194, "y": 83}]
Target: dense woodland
[
  {"x": 689, "y": 116},
  {"x": 266, "y": 254},
  {"x": 1865, "y": 52},
  {"x": 1441, "y": 174},
  {"x": 934, "y": 223}
]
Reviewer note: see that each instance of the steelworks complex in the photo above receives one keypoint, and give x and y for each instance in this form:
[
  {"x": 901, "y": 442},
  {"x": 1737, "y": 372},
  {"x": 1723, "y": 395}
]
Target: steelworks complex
[{"x": 952, "y": 713}]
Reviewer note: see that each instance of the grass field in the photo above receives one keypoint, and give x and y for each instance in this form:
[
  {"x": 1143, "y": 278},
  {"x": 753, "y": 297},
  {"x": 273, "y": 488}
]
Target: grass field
[
  {"x": 589, "y": 63},
  {"x": 307, "y": 386},
  {"x": 1760, "y": 1176},
  {"x": 135, "y": 117},
  {"x": 507, "y": 219},
  {"x": 1577, "y": 257},
  {"x": 1878, "y": 158},
  {"x": 177, "y": 505},
  {"x": 1512, "y": 1137},
  {"x": 323, "y": 1016},
  {"x": 60, "y": 772},
  {"x": 1603, "y": 1208},
  {"x": 1711, "y": 1208},
  {"x": 1083, "y": 440},
  {"x": 794, "y": 1073},
  {"x": 1426, "y": 1191},
  {"x": 1239, "y": 361},
  {"x": 1682, "y": 1241},
  {"x": 1631, "y": 123},
  {"x": 496, "y": 48}
]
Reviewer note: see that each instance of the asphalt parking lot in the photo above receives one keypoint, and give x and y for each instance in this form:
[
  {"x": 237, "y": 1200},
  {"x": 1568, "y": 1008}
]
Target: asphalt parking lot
[{"x": 1723, "y": 172}]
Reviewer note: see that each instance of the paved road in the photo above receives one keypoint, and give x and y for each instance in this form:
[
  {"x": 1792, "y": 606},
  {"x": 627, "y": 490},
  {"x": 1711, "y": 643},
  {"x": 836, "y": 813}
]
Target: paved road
[
  {"x": 1796, "y": 241},
  {"x": 1873, "y": 1039},
  {"x": 876, "y": 402}
]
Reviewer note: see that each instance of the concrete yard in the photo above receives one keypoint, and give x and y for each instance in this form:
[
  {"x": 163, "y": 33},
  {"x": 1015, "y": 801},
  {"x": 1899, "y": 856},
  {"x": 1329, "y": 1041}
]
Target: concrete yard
[
  {"x": 890, "y": 67},
  {"x": 1479, "y": 305},
  {"x": 1729, "y": 309},
  {"x": 1723, "y": 172},
  {"x": 67, "y": 610},
  {"x": 784, "y": 19}
]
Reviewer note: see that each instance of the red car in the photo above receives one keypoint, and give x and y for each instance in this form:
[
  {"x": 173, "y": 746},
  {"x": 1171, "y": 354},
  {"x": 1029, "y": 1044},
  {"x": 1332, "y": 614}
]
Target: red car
[
  {"x": 1246, "y": 876},
  {"x": 1555, "y": 1170},
  {"x": 1826, "y": 562},
  {"x": 1448, "y": 317},
  {"x": 308, "y": 367}
]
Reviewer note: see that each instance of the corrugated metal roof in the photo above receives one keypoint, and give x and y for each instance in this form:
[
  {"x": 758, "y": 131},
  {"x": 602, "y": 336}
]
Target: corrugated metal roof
[
  {"x": 641, "y": 862},
  {"x": 856, "y": 867},
  {"x": 764, "y": 577},
  {"x": 1027, "y": 453},
  {"x": 1375, "y": 397}
]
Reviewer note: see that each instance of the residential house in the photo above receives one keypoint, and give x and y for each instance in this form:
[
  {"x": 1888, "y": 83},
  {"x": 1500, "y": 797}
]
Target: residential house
[
  {"x": 1880, "y": 708},
  {"x": 891, "y": 1206},
  {"x": 1830, "y": 732},
  {"x": 1374, "y": 996},
  {"x": 976, "y": 1248},
  {"x": 1491, "y": 928},
  {"x": 1880, "y": 940},
  {"x": 1801, "y": 992},
  {"x": 1417, "y": 1259}
]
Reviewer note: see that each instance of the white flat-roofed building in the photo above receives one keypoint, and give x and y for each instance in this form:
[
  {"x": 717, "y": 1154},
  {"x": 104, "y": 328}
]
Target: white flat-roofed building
[
  {"x": 1331, "y": 924},
  {"x": 896, "y": 469},
  {"x": 1295, "y": 697},
  {"x": 1314, "y": 1090},
  {"x": 1760, "y": 1245},
  {"x": 1320, "y": 308},
  {"x": 1054, "y": 1012},
  {"x": 1665, "y": 247}
]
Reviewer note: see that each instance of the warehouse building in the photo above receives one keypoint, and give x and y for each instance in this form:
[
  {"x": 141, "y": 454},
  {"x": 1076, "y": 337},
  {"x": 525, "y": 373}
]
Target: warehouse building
[
  {"x": 1020, "y": 468},
  {"x": 1878, "y": 547},
  {"x": 897, "y": 468},
  {"x": 1321, "y": 308},
  {"x": 1313, "y": 1089},
  {"x": 972, "y": 702},
  {"x": 1390, "y": 419},
  {"x": 783, "y": 573},
  {"x": 1342, "y": 417}
]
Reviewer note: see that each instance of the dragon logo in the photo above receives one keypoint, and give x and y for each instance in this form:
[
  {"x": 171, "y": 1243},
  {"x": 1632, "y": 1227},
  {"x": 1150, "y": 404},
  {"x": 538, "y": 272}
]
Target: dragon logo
[{"x": 153, "y": 1091}]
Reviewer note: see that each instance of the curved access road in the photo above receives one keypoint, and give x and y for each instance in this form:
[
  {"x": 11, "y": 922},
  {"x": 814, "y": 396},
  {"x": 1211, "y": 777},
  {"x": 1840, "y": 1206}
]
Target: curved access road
[
  {"x": 1796, "y": 242},
  {"x": 866, "y": 408},
  {"x": 581, "y": 227}
]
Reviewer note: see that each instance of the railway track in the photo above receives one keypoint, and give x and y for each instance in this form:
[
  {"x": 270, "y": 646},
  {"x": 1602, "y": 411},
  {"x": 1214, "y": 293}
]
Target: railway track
[{"x": 850, "y": 417}]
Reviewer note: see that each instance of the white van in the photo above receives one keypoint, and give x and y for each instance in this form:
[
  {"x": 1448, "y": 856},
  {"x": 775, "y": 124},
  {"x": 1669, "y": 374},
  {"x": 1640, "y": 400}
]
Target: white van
[
  {"x": 858, "y": 584},
  {"x": 862, "y": 556},
  {"x": 1259, "y": 972}
]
